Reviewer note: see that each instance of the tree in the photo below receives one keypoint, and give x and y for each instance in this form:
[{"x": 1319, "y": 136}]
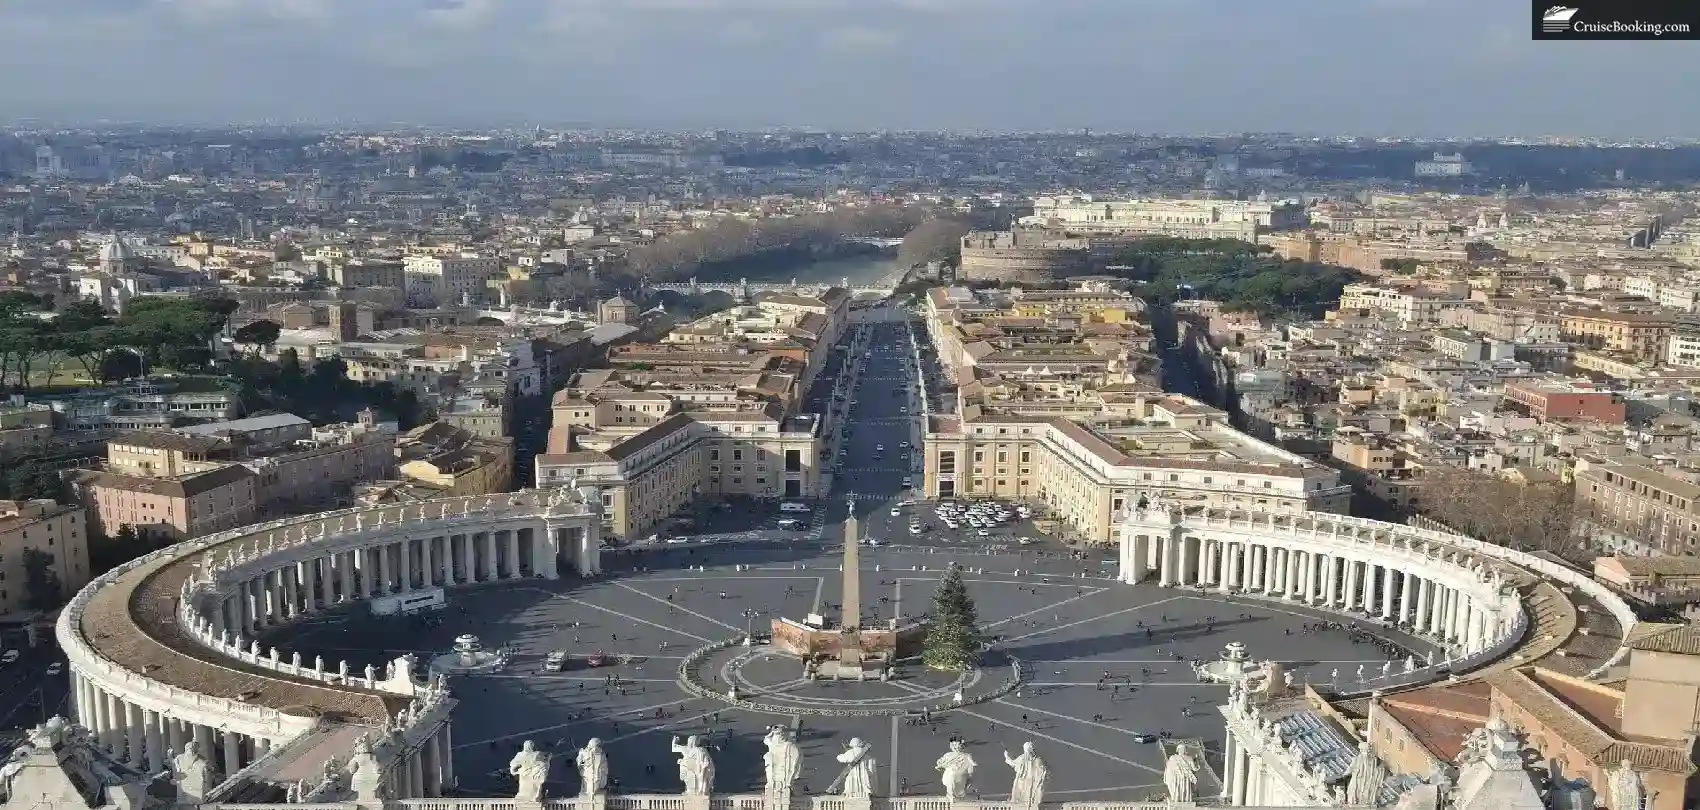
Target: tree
[
  {"x": 937, "y": 240},
  {"x": 953, "y": 635},
  {"x": 1524, "y": 516},
  {"x": 261, "y": 333},
  {"x": 42, "y": 589}
]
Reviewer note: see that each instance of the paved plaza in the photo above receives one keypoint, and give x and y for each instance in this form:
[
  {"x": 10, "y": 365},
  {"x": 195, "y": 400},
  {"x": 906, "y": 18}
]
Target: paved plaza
[{"x": 1068, "y": 632}]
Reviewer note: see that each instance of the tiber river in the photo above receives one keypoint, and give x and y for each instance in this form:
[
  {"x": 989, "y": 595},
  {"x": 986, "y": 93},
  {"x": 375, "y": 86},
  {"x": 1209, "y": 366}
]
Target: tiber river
[{"x": 859, "y": 269}]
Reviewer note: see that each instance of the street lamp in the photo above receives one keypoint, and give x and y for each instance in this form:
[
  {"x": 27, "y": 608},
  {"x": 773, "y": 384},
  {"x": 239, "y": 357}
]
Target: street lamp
[{"x": 749, "y": 627}]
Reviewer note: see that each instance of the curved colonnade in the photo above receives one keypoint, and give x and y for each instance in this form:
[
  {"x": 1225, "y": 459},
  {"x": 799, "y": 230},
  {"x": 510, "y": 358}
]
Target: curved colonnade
[
  {"x": 1460, "y": 593},
  {"x": 164, "y": 652},
  {"x": 164, "y": 655}
]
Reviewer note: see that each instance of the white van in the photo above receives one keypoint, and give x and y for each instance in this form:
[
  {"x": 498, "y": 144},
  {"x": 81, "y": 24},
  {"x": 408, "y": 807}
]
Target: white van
[
  {"x": 792, "y": 506},
  {"x": 791, "y": 524}
]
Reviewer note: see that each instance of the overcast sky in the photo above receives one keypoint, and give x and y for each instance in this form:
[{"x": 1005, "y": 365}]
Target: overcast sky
[{"x": 1410, "y": 67}]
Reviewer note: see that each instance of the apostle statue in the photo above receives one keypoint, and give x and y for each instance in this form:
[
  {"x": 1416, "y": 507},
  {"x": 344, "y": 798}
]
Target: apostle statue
[
  {"x": 366, "y": 777},
  {"x": 857, "y": 779},
  {"x": 954, "y": 769},
  {"x": 1028, "y": 789},
  {"x": 696, "y": 770},
  {"x": 192, "y": 775},
  {"x": 592, "y": 769},
  {"x": 783, "y": 761},
  {"x": 1180, "y": 775},
  {"x": 1627, "y": 790},
  {"x": 530, "y": 769}
]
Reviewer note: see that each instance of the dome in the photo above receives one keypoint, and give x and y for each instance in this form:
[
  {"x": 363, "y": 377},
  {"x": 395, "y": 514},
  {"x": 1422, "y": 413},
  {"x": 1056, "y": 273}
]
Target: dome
[{"x": 116, "y": 252}]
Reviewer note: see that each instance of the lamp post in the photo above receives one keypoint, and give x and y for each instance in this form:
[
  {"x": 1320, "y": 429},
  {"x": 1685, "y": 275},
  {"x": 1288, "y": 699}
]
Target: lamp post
[{"x": 749, "y": 624}]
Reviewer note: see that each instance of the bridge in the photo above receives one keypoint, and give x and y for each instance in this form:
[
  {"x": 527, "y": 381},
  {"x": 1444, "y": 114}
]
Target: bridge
[
  {"x": 880, "y": 241},
  {"x": 743, "y": 289}
]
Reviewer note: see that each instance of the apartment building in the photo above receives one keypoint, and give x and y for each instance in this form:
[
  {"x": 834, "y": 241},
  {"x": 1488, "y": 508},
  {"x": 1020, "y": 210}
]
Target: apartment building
[
  {"x": 1637, "y": 336},
  {"x": 804, "y": 327},
  {"x": 176, "y": 508},
  {"x": 1030, "y": 335},
  {"x": 454, "y": 461},
  {"x": 1562, "y": 400},
  {"x": 1413, "y": 308},
  {"x": 59, "y": 532},
  {"x": 25, "y": 427},
  {"x": 676, "y": 459},
  {"x": 448, "y": 279},
  {"x": 1635, "y": 509},
  {"x": 369, "y": 274},
  {"x": 146, "y": 404}
]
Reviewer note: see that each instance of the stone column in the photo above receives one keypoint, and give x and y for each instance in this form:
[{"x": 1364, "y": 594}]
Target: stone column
[
  {"x": 345, "y": 574},
  {"x": 176, "y": 734},
  {"x": 1328, "y": 565},
  {"x": 1230, "y": 750},
  {"x": 155, "y": 758},
  {"x": 492, "y": 569},
  {"x": 405, "y": 550},
  {"x": 232, "y": 754},
  {"x": 1387, "y": 593},
  {"x": 1407, "y": 597},
  {"x": 514, "y": 568},
  {"x": 468, "y": 559},
  {"x": 1242, "y": 764},
  {"x": 385, "y": 576},
  {"x": 204, "y": 742}
]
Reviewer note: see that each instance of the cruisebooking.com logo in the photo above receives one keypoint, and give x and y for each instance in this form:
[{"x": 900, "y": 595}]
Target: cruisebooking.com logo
[{"x": 1648, "y": 19}]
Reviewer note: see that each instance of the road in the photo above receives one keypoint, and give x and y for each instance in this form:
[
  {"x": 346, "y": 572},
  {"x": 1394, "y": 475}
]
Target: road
[{"x": 28, "y": 695}]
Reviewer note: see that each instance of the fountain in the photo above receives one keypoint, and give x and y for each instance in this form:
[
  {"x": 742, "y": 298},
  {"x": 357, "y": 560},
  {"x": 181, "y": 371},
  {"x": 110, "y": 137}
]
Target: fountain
[
  {"x": 469, "y": 657},
  {"x": 1233, "y": 666}
]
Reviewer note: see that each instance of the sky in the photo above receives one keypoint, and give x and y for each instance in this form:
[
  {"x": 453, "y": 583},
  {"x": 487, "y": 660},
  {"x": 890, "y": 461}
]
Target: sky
[{"x": 1420, "y": 68}]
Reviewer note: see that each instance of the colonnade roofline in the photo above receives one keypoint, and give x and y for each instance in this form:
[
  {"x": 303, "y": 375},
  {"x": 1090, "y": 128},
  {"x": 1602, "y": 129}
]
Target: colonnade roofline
[
  {"x": 137, "y": 631},
  {"x": 1457, "y": 558}
]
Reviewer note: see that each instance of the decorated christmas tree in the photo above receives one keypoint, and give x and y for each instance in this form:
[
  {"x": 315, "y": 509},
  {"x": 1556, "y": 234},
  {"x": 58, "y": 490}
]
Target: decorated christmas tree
[{"x": 953, "y": 636}]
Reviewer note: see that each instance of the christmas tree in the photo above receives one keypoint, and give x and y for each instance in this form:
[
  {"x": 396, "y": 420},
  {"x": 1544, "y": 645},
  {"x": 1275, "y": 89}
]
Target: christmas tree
[{"x": 953, "y": 636}]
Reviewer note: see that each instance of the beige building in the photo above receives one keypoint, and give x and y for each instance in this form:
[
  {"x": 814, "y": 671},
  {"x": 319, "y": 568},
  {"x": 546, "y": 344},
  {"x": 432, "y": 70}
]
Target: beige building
[
  {"x": 1194, "y": 219},
  {"x": 56, "y": 530},
  {"x": 178, "y": 508},
  {"x": 676, "y": 458},
  {"x": 1174, "y": 451},
  {"x": 25, "y": 428},
  {"x": 454, "y": 461},
  {"x": 1412, "y": 308},
  {"x": 1637, "y": 336}
]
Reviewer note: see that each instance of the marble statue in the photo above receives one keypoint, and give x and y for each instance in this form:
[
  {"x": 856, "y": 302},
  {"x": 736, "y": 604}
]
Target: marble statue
[
  {"x": 366, "y": 777},
  {"x": 783, "y": 761},
  {"x": 954, "y": 768},
  {"x": 1028, "y": 789},
  {"x": 192, "y": 775},
  {"x": 530, "y": 768},
  {"x": 1180, "y": 775},
  {"x": 1360, "y": 672},
  {"x": 1628, "y": 791},
  {"x": 857, "y": 780},
  {"x": 1386, "y": 669},
  {"x": 1410, "y": 663},
  {"x": 592, "y": 769},
  {"x": 696, "y": 770},
  {"x": 1364, "y": 778}
]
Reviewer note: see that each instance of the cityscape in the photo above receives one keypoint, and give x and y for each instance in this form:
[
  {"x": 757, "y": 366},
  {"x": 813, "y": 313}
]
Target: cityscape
[{"x": 905, "y": 424}]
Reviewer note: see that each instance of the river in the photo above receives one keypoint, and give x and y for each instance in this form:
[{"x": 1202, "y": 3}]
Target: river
[{"x": 859, "y": 269}]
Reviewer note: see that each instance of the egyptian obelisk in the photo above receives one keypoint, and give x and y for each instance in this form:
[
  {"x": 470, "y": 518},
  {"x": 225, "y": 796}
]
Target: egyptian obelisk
[
  {"x": 852, "y": 587},
  {"x": 850, "y": 620}
]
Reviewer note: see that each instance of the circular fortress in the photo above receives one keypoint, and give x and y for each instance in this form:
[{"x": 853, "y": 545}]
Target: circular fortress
[
  {"x": 165, "y": 658},
  {"x": 1027, "y": 256}
]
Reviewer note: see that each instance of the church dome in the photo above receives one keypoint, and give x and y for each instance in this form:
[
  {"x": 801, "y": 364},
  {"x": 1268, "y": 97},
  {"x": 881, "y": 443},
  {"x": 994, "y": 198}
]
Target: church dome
[{"x": 116, "y": 252}]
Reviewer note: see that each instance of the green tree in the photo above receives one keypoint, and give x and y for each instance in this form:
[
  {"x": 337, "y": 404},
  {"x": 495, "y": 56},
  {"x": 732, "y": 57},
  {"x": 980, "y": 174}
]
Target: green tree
[
  {"x": 42, "y": 589},
  {"x": 261, "y": 333},
  {"x": 953, "y": 635},
  {"x": 28, "y": 479}
]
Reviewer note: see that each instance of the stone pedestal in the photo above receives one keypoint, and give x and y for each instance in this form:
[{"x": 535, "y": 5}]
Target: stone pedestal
[
  {"x": 777, "y": 800},
  {"x": 695, "y": 802}
]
